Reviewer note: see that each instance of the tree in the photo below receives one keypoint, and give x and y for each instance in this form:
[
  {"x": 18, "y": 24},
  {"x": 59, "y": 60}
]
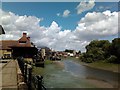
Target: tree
[
  {"x": 115, "y": 48},
  {"x": 102, "y": 50},
  {"x": 112, "y": 59},
  {"x": 70, "y": 51}
]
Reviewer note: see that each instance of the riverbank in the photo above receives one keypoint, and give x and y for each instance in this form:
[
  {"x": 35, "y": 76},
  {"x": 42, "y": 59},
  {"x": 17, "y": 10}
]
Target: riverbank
[
  {"x": 102, "y": 65},
  {"x": 106, "y": 67},
  {"x": 99, "y": 65}
]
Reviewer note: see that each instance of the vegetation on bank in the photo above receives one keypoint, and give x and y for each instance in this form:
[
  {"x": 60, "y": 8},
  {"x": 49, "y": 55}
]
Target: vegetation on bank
[
  {"x": 40, "y": 70},
  {"x": 48, "y": 62},
  {"x": 105, "y": 66},
  {"x": 102, "y": 50}
]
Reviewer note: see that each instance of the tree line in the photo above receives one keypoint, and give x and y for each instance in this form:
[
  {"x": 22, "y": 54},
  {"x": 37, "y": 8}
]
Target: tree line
[{"x": 102, "y": 50}]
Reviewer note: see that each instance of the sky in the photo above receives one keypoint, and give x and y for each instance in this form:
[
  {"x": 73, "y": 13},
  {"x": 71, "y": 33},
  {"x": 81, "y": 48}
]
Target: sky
[{"x": 60, "y": 25}]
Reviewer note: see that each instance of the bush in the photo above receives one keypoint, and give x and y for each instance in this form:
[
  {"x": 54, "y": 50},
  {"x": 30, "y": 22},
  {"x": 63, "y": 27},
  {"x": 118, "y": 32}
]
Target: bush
[
  {"x": 89, "y": 60},
  {"x": 112, "y": 59}
]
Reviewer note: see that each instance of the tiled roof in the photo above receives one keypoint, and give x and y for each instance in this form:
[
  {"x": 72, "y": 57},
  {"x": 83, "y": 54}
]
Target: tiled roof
[
  {"x": 24, "y": 41},
  {"x": 6, "y": 44}
]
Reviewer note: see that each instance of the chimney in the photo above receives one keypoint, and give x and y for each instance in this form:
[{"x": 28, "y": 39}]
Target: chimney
[
  {"x": 24, "y": 34},
  {"x": 28, "y": 38}
]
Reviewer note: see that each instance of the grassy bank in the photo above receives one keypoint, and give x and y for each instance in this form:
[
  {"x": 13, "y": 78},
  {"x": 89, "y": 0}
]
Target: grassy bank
[
  {"x": 48, "y": 62},
  {"x": 99, "y": 65},
  {"x": 102, "y": 65},
  {"x": 106, "y": 66},
  {"x": 40, "y": 70}
]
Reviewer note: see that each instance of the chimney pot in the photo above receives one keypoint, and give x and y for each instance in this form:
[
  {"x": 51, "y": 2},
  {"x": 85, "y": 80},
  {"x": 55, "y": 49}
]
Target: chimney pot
[
  {"x": 24, "y": 34},
  {"x": 28, "y": 38}
]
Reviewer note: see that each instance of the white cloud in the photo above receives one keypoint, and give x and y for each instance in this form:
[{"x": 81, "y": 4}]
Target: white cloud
[
  {"x": 66, "y": 13},
  {"x": 93, "y": 26},
  {"x": 58, "y": 14},
  {"x": 97, "y": 25},
  {"x": 85, "y": 6}
]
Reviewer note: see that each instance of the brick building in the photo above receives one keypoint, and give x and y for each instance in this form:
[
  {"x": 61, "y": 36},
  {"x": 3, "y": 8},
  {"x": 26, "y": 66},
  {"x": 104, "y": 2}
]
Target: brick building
[{"x": 16, "y": 48}]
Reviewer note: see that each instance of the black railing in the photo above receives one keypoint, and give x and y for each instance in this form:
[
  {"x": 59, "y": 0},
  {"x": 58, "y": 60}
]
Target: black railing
[
  {"x": 37, "y": 82},
  {"x": 34, "y": 82}
]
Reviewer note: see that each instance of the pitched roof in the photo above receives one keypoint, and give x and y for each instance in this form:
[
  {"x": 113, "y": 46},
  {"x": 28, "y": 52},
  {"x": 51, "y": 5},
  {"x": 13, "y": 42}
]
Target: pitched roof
[
  {"x": 23, "y": 38},
  {"x": 1, "y": 30},
  {"x": 24, "y": 41},
  {"x": 6, "y": 44}
]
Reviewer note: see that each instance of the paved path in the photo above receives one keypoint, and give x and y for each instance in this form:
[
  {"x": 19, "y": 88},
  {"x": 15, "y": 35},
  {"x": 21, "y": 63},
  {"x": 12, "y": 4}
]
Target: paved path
[
  {"x": 3, "y": 63},
  {"x": 9, "y": 75}
]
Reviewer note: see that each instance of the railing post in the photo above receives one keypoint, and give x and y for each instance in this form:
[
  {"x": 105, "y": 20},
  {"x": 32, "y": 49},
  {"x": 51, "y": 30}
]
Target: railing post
[
  {"x": 22, "y": 65},
  {"x": 30, "y": 78},
  {"x": 39, "y": 78},
  {"x": 25, "y": 72}
]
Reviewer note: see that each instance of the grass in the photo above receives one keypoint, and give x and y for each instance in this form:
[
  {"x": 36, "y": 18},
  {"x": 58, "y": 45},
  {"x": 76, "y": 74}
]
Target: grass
[
  {"x": 48, "y": 62},
  {"x": 102, "y": 65},
  {"x": 40, "y": 70},
  {"x": 105, "y": 66},
  {"x": 37, "y": 70}
]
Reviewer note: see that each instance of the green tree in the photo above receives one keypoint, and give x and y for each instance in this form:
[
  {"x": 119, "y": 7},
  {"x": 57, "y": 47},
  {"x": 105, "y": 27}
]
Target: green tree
[
  {"x": 102, "y": 50},
  {"x": 115, "y": 49},
  {"x": 112, "y": 59}
]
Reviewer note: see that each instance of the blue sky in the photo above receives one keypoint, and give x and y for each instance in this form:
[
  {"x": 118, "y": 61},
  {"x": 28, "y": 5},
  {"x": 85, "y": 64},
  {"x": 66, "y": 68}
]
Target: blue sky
[
  {"x": 48, "y": 11},
  {"x": 60, "y": 25}
]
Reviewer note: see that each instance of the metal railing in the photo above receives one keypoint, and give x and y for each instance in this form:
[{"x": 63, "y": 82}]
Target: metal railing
[{"x": 34, "y": 82}]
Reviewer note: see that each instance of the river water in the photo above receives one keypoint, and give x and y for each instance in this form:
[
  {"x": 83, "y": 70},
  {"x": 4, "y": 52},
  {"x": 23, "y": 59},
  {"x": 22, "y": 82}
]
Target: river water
[{"x": 70, "y": 74}]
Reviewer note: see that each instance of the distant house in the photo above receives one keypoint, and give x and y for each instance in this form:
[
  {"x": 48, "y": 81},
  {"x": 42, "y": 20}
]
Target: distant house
[
  {"x": 5, "y": 50},
  {"x": 45, "y": 51},
  {"x": 15, "y": 48},
  {"x": 1, "y": 30}
]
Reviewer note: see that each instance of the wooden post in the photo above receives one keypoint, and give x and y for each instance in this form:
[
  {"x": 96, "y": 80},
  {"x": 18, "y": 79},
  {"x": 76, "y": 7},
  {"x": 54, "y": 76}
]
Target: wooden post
[
  {"x": 29, "y": 79},
  {"x": 25, "y": 73}
]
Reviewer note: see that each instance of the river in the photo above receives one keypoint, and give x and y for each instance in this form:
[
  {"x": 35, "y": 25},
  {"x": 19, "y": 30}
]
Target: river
[{"x": 70, "y": 74}]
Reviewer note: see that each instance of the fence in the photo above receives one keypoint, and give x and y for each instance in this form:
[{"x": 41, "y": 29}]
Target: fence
[
  {"x": 34, "y": 82},
  {"x": 37, "y": 83}
]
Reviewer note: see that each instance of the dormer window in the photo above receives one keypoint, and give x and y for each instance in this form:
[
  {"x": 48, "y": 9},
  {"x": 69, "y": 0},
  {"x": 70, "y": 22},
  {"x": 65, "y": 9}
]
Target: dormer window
[{"x": 22, "y": 42}]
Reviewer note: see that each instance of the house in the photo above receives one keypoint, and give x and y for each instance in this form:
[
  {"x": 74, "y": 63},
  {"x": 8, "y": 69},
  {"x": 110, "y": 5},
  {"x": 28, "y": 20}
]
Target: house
[
  {"x": 16, "y": 48},
  {"x": 5, "y": 50}
]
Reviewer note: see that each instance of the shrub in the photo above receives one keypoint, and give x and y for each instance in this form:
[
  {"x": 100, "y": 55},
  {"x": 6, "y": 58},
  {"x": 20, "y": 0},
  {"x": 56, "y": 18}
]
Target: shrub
[
  {"x": 112, "y": 59},
  {"x": 89, "y": 60}
]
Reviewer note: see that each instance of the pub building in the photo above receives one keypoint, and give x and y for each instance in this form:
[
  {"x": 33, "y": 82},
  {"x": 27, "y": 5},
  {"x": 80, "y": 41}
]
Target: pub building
[{"x": 18, "y": 48}]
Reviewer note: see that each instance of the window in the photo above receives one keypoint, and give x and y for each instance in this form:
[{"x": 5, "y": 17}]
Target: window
[{"x": 22, "y": 42}]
